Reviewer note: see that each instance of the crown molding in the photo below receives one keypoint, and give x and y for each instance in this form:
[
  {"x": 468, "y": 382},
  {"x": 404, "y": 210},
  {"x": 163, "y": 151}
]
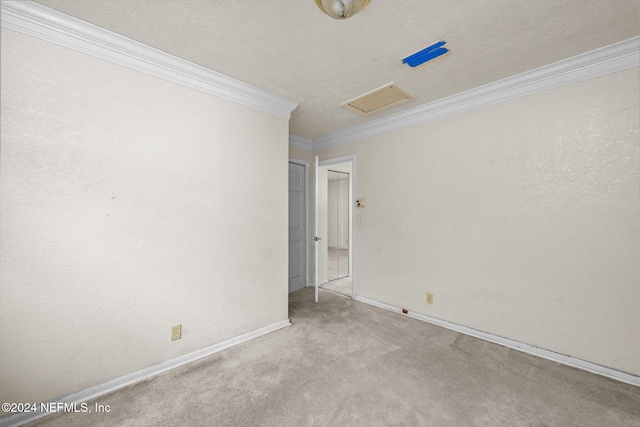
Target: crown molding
[
  {"x": 606, "y": 60},
  {"x": 300, "y": 142},
  {"x": 39, "y": 21}
]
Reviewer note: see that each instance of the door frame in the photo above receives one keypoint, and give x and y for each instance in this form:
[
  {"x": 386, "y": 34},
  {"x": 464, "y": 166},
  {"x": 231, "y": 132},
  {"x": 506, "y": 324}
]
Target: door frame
[
  {"x": 306, "y": 214},
  {"x": 351, "y": 158}
]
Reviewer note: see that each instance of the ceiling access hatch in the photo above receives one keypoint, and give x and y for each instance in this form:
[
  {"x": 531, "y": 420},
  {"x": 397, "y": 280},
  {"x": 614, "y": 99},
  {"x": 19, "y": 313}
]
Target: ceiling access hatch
[{"x": 379, "y": 99}]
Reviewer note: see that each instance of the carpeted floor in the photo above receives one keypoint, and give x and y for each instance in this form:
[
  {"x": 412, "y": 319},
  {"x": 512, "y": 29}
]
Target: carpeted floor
[
  {"x": 344, "y": 363},
  {"x": 337, "y": 263},
  {"x": 341, "y": 286}
]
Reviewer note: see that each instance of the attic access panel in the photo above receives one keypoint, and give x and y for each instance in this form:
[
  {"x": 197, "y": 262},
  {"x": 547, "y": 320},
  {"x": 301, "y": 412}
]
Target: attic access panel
[{"x": 384, "y": 97}]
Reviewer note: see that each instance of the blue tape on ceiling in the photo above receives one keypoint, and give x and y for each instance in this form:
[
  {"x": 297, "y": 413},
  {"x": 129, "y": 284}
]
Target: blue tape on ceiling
[{"x": 426, "y": 54}]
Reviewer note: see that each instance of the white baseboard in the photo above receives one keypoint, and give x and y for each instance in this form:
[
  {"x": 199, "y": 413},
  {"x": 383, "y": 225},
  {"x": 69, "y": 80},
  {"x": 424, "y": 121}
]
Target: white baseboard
[
  {"x": 516, "y": 345},
  {"x": 109, "y": 386}
]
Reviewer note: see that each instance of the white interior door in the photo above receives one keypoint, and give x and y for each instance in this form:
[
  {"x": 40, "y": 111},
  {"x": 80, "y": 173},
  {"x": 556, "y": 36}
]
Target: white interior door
[
  {"x": 297, "y": 227},
  {"x": 316, "y": 230}
]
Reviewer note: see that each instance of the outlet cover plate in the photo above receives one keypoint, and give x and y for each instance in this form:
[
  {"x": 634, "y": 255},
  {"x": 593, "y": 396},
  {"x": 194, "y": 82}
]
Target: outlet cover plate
[
  {"x": 429, "y": 298},
  {"x": 176, "y": 332}
]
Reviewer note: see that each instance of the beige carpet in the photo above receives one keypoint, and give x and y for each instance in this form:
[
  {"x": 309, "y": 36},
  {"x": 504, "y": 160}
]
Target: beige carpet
[
  {"x": 344, "y": 363},
  {"x": 337, "y": 263},
  {"x": 341, "y": 286}
]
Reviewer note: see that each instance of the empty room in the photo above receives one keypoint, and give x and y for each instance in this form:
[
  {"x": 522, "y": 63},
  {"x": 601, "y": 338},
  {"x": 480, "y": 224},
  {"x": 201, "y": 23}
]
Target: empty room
[{"x": 320, "y": 213}]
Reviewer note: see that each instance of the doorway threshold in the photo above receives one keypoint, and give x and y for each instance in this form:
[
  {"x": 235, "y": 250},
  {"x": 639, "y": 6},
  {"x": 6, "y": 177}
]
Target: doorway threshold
[{"x": 341, "y": 286}]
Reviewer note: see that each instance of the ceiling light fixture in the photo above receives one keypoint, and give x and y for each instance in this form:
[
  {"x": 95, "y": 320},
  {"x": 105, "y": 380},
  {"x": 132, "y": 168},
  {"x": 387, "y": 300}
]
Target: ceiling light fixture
[{"x": 341, "y": 9}]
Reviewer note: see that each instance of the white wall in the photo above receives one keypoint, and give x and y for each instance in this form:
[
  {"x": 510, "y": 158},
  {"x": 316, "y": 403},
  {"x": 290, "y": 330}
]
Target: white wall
[
  {"x": 129, "y": 205},
  {"x": 521, "y": 218},
  {"x": 300, "y": 154}
]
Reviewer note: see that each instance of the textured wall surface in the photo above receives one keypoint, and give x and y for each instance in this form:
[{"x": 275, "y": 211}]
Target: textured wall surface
[
  {"x": 129, "y": 205},
  {"x": 523, "y": 219},
  {"x": 299, "y": 154}
]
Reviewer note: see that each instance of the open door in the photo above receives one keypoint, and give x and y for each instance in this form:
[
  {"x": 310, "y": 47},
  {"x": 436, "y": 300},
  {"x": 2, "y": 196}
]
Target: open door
[{"x": 316, "y": 231}]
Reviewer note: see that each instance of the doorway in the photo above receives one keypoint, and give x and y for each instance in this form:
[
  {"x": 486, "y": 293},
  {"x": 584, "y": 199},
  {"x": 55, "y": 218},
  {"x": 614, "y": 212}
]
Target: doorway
[
  {"x": 336, "y": 180},
  {"x": 337, "y": 225}
]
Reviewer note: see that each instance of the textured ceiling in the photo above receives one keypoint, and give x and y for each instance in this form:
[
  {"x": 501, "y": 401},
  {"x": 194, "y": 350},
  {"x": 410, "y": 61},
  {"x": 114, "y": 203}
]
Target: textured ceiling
[{"x": 291, "y": 48}]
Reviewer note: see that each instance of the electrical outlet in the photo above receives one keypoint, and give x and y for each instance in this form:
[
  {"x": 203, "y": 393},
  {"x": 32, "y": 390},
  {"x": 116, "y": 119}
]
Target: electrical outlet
[
  {"x": 429, "y": 298},
  {"x": 176, "y": 332}
]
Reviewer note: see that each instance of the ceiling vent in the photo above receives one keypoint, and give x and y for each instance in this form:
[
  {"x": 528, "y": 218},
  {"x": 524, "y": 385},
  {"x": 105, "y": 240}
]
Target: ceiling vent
[{"x": 386, "y": 96}]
